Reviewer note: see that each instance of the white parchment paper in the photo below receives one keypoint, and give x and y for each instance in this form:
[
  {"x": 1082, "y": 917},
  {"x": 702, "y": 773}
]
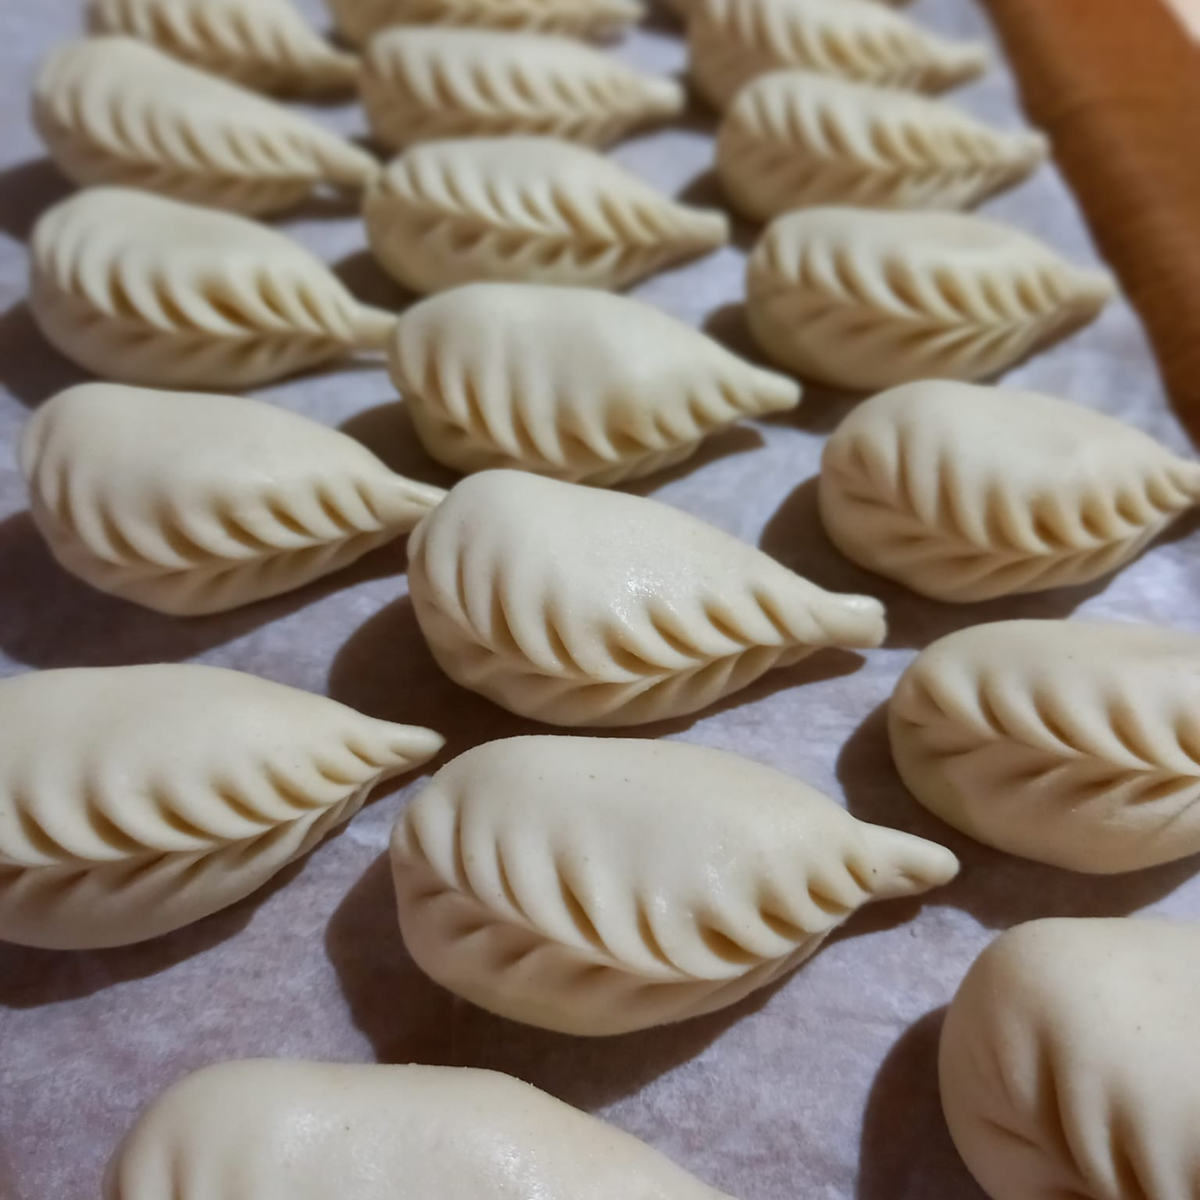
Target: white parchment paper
[{"x": 822, "y": 1087}]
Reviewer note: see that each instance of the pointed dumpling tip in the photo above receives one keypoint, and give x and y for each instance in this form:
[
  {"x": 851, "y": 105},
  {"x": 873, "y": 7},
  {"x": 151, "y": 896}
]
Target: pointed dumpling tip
[
  {"x": 906, "y": 865},
  {"x": 773, "y": 393},
  {"x": 405, "y": 747},
  {"x": 860, "y": 624},
  {"x": 964, "y": 61},
  {"x": 708, "y": 228},
  {"x": 665, "y": 97}
]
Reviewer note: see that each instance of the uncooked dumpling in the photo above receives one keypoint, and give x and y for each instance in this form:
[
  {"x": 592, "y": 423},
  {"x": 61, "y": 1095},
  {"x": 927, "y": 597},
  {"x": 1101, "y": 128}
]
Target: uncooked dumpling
[
  {"x": 597, "y": 885},
  {"x": 965, "y": 493},
  {"x": 866, "y": 299},
  {"x": 568, "y": 382},
  {"x": 420, "y": 84},
  {"x": 583, "y": 607},
  {"x": 141, "y": 289},
  {"x": 732, "y": 41},
  {"x": 1075, "y": 743},
  {"x": 116, "y": 110},
  {"x": 192, "y": 504},
  {"x": 262, "y": 44},
  {"x": 1069, "y": 1062},
  {"x": 794, "y": 139},
  {"x": 135, "y": 800},
  {"x": 359, "y": 19},
  {"x": 285, "y": 1130},
  {"x": 526, "y": 209}
]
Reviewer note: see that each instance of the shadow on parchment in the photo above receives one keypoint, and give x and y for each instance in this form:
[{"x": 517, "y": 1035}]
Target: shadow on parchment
[
  {"x": 27, "y": 190},
  {"x": 906, "y": 1151},
  {"x": 997, "y": 889},
  {"x": 408, "y": 1018},
  {"x": 30, "y": 367},
  {"x": 48, "y": 618},
  {"x": 361, "y": 272}
]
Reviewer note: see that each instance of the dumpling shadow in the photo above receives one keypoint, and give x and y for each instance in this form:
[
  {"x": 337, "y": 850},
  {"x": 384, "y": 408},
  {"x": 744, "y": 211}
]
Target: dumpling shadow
[
  {"x": 387, "y": 431},
  {"x": 31, "y": 369},
  {"x": 905, "y": 1149},
  {"x": 48, "y": 618},
  {"x": 27, "y": 190},
  {"x": 997, "y": 889},
  {"x": 369, "y": 282},
  {"x": 385, "y": 669},
  {"x": 408, "y": 1018},
  {"x": 725, "y": 443},
  {"x": 704, "y": 190}
]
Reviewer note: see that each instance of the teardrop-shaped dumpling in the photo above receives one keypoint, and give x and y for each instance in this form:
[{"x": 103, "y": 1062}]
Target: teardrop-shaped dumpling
[
  {"x": 262, "y": 44},
  {"x": 141, "y": 289},
  {"x": 116, "y": 110},
  {"x": 285, "y": 1130},
  {"x": 1069, "y": 1062},
  {"x": 794, "y": 139},
  {"x": 526, "y": 209},
  {"x": 871, "y": 299},
  {"x": 357, "y": 20},
  {"x": 583, "y": 607},
  {"x": 1075, "y": 743},
  {"x": 597, "y": 885},
  {"x": 420, "y": 84},
  {"x": 135, "y": 800},
  {"x": 568, "y": 382},
  {"x": 965, "y": 493},
  {"x": 732, "y": 41},
  {"x": 190, "y": 504}
]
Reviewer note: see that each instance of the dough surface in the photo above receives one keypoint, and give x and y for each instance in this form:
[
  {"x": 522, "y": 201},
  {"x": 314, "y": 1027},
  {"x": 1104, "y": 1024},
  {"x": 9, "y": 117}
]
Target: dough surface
[
  {"x": 732, "y": 41},
  {"x": 141, "y": 289},
  {"x": 573, "y": 383},
  {"x": 795, "y": 139},
  {"x": 1075, "y": 743},
  {"x": 114, "y": 110},
  {"x": 577, "y": 606},
  {"x": 261, "y": 1129},
  {"x": 421, "y": 84},
  {"x": 597, "y": 886},
  {"x": 964, "y": 493},
  {"x": 871, "y": 299},
  {"x": 358, "y": 20},
  {"x": 191, "y": 504},
  {"x": 262, "y": 44},
  {"x": 1068, "y": 1065},
  {"x": 136, "y": 800},
  {"x": 526, "y": 209}
]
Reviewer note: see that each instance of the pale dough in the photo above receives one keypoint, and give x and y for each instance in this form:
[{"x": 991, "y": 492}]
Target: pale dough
[
  {"x": 869, "y": 299},
  {"x": 1075, "y": 743},
  {"x": 795, "y": 139},
  {"x": 114, "y": 110},
  {"x": 193, "y": 504},
  {"x": 358, "y": 20},
  {"x": 732, "y": 41},
  {"x": 1069, "y": 1063},
  {"x": 597, "y": 886},
  {"x": 421, "y": 84},
  {"x": 577, "y": 606},
  {"x": 261, "y": 44},
  {"x": 569, "y": 382},
  {"x": 141, "y": 289},
  {"x": 285, "y": 1130},
  {"x": 526, "y": 209},
  {"x": 135, "y": 800},
  {"x": 965, "y": 493}
]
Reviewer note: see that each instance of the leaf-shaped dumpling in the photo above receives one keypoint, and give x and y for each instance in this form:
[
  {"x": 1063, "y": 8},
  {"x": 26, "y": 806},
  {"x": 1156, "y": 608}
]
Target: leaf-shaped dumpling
[
  {"x": 262, "y": 44},
  {"x": 1069, "y": 1062},
  {"x": 583, "y": 607},
  {"x": 732, "y": 41},
  {"x": 420, "y": 84},
  {"x": 597, "y": 885},
  {"x": 870, "y": 299},
  {"x": 794, "y": 139},
  {"x": 526, "y": 209},
  {"x": 116, "y": 110},
  {"x": 964, "y": 493},
  {"x": 142, "y": 289},
  {"x": 568, "y": 382},
  {"x": 1075, "y": 743},
  {"x": 358, "y": 20},
  {"x": 277, "y": 1129},
  {"x": 192, "y": 504},
  {"x": 135, "y": 800}
]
